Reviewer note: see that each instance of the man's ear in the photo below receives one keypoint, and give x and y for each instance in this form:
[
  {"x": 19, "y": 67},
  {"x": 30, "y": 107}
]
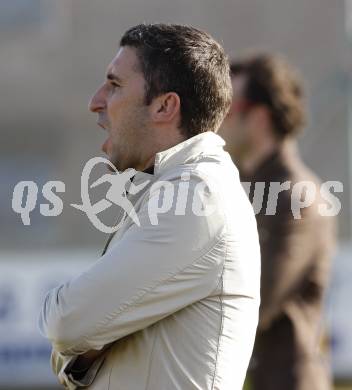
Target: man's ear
[{"x": 166, "y": 107}]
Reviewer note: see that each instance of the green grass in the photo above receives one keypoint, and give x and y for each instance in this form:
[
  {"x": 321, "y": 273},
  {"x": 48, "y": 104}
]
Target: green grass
[{"x": 345, "y": 386}]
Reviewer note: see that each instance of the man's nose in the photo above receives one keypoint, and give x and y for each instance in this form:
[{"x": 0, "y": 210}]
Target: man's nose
[{"x": 97, "y": 102}]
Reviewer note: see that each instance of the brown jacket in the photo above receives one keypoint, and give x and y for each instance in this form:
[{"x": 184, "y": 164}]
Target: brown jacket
[{"x": 295, "y": 268}]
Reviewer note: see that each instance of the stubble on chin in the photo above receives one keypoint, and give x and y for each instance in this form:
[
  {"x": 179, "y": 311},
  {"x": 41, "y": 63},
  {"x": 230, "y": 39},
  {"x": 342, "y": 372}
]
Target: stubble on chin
[{"x": 132, "y": 140}]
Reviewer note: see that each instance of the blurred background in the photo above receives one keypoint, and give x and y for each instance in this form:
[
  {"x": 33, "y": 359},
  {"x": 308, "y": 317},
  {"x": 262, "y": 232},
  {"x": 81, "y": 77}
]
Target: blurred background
[{"x": 53, "y": 57}]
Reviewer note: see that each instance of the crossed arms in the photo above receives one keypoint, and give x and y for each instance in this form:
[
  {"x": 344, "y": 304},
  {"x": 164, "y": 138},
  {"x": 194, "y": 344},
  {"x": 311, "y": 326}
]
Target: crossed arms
[{"x": 143, "y": 278}]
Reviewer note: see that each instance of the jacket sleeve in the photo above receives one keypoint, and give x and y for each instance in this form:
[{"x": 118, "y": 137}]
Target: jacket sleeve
[
  {"x": 61, "y": 366},
  {"x": 151, "y": 272},
  {"x": 289, "y": 249}
]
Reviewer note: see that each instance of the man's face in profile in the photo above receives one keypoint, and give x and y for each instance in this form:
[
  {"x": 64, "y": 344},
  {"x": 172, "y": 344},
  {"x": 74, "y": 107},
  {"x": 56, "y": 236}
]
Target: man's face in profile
[
  {"x": 234, "y": 127},
  {"x": 119, "y": 103}
]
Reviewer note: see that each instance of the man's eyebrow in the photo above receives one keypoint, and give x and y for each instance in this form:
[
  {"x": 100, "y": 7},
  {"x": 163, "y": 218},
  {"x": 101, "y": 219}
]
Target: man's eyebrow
[{"x": 113, "y": 77}]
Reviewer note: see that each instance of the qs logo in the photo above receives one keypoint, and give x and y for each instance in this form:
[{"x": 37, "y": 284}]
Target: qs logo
[
  {"x": 25, "y": 196},
  {"x": 117, "y": 194}
]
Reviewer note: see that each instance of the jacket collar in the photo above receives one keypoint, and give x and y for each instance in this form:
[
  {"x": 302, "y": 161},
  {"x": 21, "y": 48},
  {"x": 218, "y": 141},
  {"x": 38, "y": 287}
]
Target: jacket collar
[{"x": 191, "y": 150}]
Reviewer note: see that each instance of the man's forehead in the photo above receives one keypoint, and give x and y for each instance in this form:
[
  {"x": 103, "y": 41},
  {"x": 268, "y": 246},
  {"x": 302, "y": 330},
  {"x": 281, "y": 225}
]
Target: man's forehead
[{"x": 125, "y": 62}]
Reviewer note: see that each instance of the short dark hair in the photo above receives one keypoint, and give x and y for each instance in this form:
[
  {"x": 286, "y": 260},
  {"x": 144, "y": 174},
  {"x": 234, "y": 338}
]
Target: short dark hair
[
  {"x": 189, "y": 62},
  {"x": 272, "y": 82}
]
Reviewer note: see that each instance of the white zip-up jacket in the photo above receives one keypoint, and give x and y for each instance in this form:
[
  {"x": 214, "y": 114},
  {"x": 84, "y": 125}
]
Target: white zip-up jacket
[{"x": 178, "y": 296}]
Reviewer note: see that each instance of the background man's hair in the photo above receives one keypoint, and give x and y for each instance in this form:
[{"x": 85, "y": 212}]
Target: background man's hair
[
  {"x": 272, "y": 82},
  {"x": 186, "y": 61}
]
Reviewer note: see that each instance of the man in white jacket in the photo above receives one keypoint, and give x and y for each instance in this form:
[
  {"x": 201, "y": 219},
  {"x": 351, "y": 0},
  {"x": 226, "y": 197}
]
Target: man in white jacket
[{"x": 173, "y": 302}]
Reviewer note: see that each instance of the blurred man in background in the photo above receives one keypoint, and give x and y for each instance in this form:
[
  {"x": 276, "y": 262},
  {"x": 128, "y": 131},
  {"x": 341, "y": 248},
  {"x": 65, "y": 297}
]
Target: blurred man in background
[{"x": 266, "y": 115}]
